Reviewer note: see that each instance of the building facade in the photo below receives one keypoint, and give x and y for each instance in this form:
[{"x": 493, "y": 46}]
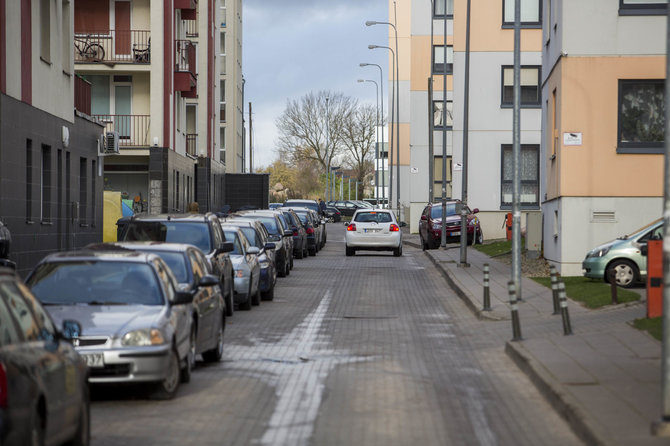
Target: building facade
[
  {"x": 424, "y": 122},
  {"x": 603, "y": 121},
  {"x": 50, "y": 164},
  {"x": 152, "y": 67}
]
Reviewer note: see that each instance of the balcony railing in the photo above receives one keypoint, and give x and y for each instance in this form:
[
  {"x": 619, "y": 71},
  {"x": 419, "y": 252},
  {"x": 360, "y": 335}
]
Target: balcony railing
[
  {"x": 185, "y": 57},
  {"x": 191, "y": 144},
  {"x": 133, "y": 129},
  {"x": 82, "y": 95},
  {"x": 113, "y": 46},
  {"x": 191, "y": 28}
]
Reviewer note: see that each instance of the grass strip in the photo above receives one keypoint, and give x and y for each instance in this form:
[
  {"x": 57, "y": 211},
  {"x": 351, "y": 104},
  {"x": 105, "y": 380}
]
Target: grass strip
[
  {"x": 591, "y": 292},
  {"x": 653, "y": 326}
]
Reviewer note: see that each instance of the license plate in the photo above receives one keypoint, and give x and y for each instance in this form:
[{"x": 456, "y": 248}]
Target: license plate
[
  {"x": 94, "y": 360},
  {"x": 371, "y": 230},
  {"x": 453, "y": 234}
]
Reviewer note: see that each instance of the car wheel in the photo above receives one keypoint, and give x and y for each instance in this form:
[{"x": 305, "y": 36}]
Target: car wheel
[
  {"x": 349, "y": 251},
  {"x": 246, "y": 305},
  {"x": 230, "y": 305},
  {"x": 424, "y": 245},
  {"x": 167, "y": 389},
  {"x": 215, "y": 354},
  {"x": 291, "y": 262},
  {"x": 269, "y": 294},
  {"x": 299, "y": 254},
  {"x": 257, "y": 297},
  {"x": 281, "y": 270},
  {"x": 480, "y": 237},
  {"x": 305, "y": 252},
  {"x": 397, "y": 252},
  {"x": 190, "y": 356},
  {"x": 83, "y": 435},
  {"x": 312, "y": 251},
  {"x": 36, "y": 429},
  {"x": 626, "y": 273}
]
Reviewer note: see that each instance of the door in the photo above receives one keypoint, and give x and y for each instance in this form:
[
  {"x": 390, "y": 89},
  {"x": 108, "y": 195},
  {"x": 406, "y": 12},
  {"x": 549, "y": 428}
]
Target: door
[
  {"x": 122, "y": 120},
  {"x": 122, "y": 26}
]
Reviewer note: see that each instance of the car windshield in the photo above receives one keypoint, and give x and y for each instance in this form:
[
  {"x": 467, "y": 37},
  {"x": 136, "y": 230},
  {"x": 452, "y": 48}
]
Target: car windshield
[
  {"x": 373, "y": 217},
  {"x": 436, "y": 211},
  {"x": 303, "y": 217},
  {"x": 231, "y": 235},
  {"x": 642, "y": 229},
  {"x": 270, "y": 224},
  {"x": 193, "y": 233},
  {"x": 177, "y": 263},
  {"x": 305, "y": 204},
  {"x": 251, "y": 235},
  {"x": 96, "y": 283}
]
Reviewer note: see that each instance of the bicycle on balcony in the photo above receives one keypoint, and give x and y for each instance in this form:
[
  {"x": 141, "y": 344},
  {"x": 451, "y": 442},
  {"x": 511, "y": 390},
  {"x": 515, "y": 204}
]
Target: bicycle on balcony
[{"x": 89, "y": 50}]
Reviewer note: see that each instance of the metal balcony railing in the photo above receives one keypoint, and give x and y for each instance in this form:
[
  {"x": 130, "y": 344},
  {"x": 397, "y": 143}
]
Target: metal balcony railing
[
  {"x": 113, "y": 46},
  {"x": 133, "y": 129},
  {"x": 185, "y": 56},
  {"x": 191, "y": 28},
  {"x": 82, "y": 95},
  {"x": 191, "y": 144}
]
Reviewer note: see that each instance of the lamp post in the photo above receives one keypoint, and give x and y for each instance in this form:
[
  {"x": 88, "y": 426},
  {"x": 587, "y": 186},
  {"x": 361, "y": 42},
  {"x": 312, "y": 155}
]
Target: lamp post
[
  {"x": 357, "y": 183},
  {"x": 397, "y": 103},
  {"x": 333, "y": 169},
  {"x": 327, "y": 157},
  {"x": 376, "y": 145},
  {"x": 381, "y": 131},
  {"x": 394, "y": 106},
  {"x": 349, "y": 188}
]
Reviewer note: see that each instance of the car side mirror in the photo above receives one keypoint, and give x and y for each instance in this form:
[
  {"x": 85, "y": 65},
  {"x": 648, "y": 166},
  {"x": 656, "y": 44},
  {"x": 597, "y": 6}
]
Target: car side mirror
[
  {"x": 70, "y": 329},
  {"x": 269, "y": 246},
  {"x": 208, "y": 280},
  {"x": 403, "y": 224},
  {"x": 424, "y": 218},
  {"x": 253, "y": 250},
  {"x": 288, "y": 233},
  {"x": 227, "y": 247},
  {"x": 475, "y": 210},
  {"x": 644, "y": 250},
  {"x": 182, "y": 297}
]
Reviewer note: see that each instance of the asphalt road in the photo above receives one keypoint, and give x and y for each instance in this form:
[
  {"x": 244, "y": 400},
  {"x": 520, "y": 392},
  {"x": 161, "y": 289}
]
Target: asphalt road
[{"x": 365, "y": 350}]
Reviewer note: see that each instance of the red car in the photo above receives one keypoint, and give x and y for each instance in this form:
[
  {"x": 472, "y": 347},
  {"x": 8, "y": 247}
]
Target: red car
[{"x": 430, "y": 225}]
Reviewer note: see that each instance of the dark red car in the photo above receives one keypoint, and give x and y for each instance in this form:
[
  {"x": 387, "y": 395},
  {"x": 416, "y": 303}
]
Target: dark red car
[{"x": 430, "y": 225}]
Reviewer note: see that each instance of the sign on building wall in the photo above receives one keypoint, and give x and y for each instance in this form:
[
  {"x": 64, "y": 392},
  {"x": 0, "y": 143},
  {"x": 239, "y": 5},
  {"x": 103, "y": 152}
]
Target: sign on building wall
[{"x": 572, "y": 139}]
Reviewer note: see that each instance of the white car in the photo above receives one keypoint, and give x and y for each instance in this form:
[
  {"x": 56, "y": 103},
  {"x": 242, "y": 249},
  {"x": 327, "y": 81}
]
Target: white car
[{"x": 373, "y": 230}]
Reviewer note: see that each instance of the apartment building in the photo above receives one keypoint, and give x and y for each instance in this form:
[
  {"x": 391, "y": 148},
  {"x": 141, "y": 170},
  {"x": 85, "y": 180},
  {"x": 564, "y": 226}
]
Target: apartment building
[
  {"x": 50, "y": 168},
  {"x": 231, "y": 88},
  {"x": 152, "y": 68},
  {"x": 603, "y": 122},
  {"x": 422, "y": 92}
]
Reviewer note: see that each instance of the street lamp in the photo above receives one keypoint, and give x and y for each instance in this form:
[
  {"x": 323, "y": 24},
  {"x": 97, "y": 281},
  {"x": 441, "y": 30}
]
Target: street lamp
[
  {"x": 327, "y": 157},
  {"x": 333, "y": 169},
  {"x": 357, "y": 183},
  {"x": 393, "y": 108},
  {"x": 381, "y": 95},
  {"x": 397, "y": 105},
  {"x": 376, "y": 144}
]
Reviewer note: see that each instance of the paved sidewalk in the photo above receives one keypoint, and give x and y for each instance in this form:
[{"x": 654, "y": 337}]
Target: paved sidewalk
[{"x": 605, "y": 379}]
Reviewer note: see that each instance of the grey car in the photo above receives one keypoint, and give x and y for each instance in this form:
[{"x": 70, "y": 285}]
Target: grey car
[
  {"x": 247, "y": 269},
  {"x": 136, "y": 324}
]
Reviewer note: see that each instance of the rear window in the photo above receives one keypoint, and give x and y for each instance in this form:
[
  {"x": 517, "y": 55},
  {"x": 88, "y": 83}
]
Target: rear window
[
  {"x": 251, "y": 235},
  {"x": 177, "y": 263},
  {"x": 193, "y": 233},
  {"x": 436, "y": 211},
  {"x": 309, "y": 204},
  {"x": 232, "y": 236},
  {"x": 373, "y": 217},
  {"x": 269, "y": 222}
]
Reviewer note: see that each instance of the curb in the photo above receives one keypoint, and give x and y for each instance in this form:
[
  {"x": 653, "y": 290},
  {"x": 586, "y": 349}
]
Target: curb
[{"x": 563, "y": 403}]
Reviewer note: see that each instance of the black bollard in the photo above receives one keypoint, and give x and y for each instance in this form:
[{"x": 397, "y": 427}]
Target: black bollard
[
  {"x": 565, "y": 315},
  {"x": 487, "y": 295},
  {"x": 611, "y": 277},
  {"x": 554, "y": 288},
  {"x": 514, "y": 307}
]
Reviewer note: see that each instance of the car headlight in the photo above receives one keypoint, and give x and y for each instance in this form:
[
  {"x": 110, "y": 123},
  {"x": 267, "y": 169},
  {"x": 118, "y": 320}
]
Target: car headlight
[
  {"x": 138, "y": 338},
  {"x": 263, "y": 263},
  {"x": 598, "y": 252},
  {"x": 437, "y": 226}
]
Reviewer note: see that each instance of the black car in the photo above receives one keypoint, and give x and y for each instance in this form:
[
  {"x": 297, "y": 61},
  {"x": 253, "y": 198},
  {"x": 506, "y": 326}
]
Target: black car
[
  {"x": 44, "y": 395},
  {"x": 200, "y": 230},
  {"x": 347, "y": 207},
  {"x": 333, "y": 214},
  {"x": 309, "y": 204},
  {"x": 299, "y": 234},
  {"x": 308, "y": 219}
]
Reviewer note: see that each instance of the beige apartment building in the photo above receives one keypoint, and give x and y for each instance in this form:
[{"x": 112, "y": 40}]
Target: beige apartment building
[
  {"x": 603, "y": 77},
  {"x": 422, "y": 61}
]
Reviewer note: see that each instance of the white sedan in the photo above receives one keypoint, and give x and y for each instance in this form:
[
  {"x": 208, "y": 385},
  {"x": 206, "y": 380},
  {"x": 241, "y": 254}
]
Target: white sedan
[{"x": 373, "y": 230}]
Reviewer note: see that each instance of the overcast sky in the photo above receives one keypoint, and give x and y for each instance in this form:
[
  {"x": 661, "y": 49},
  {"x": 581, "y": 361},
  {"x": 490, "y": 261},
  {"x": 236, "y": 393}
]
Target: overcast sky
[{"x": 292, "y": 47}]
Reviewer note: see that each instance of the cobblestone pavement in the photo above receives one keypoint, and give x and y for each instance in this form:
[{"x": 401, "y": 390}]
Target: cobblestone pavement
[{"x": 364, "y": 350}]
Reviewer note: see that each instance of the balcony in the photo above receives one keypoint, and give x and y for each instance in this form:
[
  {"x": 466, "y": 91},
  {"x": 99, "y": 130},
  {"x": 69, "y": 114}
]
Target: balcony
[
  {"x": 133, "y": 129},
  {"x": 113, "y": 46},
  {"x": 191, "y": 28},
  {"x": 192, "y": 144},
  {"x": 188, "y": 8},
  {"x": 82, "y": 95},
  {"x": 185, "y": 79}
]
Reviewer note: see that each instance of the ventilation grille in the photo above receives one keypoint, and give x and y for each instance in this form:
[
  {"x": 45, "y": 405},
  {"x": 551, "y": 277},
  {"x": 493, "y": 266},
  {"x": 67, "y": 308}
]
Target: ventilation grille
[{"x": 603, "y": 217}]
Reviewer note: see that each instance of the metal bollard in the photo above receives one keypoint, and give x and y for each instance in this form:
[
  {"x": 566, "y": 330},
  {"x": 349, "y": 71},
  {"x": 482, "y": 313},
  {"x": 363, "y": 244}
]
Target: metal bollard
[
  {"x": 487, "y": 295},
  {"x": 565, "y": 315},
  {"x": 554, "y": 288},
  {"x": 611, "y": 277},
  {"x": 516, "y": 325}
]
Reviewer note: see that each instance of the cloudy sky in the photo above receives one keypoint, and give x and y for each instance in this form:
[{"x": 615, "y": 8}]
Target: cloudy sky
[{"x": 292, "y": 47}]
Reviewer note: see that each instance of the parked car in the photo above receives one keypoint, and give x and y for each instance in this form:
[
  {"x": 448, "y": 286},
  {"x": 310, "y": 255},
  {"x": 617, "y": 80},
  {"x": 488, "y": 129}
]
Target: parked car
[
  {"x": 347, "y": 207},
  {"x": 194, "y": 275},
  {"x": 430, "y": 225},
  {"x": 309, "y": 204},
  {"x": 333, "y": 214},
  {"x": 38, "y": 364},
  {"x": 623, "y": 256},
  {"x": 299, "y": 234},
  {"x": 288, "y": 238},
  {"x": 247, "y": 269},
  {"x": 274, "y": 205},
  {"x": 309, "y": 220},
  {"x": 373, "y": 229},
  {"x": 277, "y": 234},
  {"x": 200, "y": 230},
  {"x": 137, "y": 326},
  {"x": 257, "y": 235}
]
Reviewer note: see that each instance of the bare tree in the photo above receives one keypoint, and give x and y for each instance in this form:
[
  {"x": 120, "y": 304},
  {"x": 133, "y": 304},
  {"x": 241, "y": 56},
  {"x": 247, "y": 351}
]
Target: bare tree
[
  {"x": 359, "y": 141},
  {"x": 311, "y": 127}
]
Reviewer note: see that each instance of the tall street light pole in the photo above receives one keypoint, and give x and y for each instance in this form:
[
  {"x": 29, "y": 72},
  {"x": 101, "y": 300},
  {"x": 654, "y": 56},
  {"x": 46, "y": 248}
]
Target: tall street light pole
[
  {"x": 466, "y": 128},
  {"x": 516, "y": 155},
  {"x": 376, "y": 145},
  {"x": 443, "y": 231},
  {"x": 327, "y": 156},
  {"x": 381, "y": 95}
]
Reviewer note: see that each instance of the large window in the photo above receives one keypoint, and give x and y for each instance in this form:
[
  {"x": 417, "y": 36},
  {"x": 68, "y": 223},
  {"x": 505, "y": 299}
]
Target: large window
[
  {"x": 530, "y": 86},
  {"x": 643, "y": 7},
  {"x": 641, "y": 116},
  {"x": 531, "y": 13},
  {"x": 439, "y": 117},
  {"x": 439, "y": 67},
  {"x": 530, "y": 173},
  {"x": 439, "y": 11},
  {"x": 437, "y": 177},
  {"x": 45, "y": 184}
]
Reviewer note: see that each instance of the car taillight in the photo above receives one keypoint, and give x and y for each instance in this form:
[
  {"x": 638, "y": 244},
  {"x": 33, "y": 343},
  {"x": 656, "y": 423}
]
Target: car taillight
[
  {"x": 310, "y": 230},
  {"x": 295, "y": 230},
  {"x": 394, "y": 227},
  {"x": 351, "y": 227},
  {"x": 3, "y": 386}
]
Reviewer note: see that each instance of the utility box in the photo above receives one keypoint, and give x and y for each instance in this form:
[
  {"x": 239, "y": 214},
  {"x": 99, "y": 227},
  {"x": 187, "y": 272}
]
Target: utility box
[
  {"x": 534, "y": 234},
  {"x": 247, "y": 191},
  {"x": 654, "y": 278}
]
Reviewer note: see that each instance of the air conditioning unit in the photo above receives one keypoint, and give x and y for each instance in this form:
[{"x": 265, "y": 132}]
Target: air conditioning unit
[{"x": 112, "y": 142}]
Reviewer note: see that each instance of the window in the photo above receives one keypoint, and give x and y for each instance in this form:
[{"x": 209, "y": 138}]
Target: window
[
  {"x": 45, "y": 183},
  {"x": 530, "y": 86},
  {"x": 531, "y": 13},
  {"x": 643, "y": 7},
  {"x": 438, "y": 116},
  {"x": 437, "y": 176},
  {"x": 82, "y": 191},
  {"x": 45, "y": 30},
  {"x": 438, "y": 8},
  {"x": 554, "y": 124},
  {"x": 641, "y": 116},
  {"x": 66, "y": 38},
  {"x": 93, "y": 175},
  {"x": 530, "y": 173},
  {"x": 439, "y": 67},
  {"x": 29, "y": 180}
]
